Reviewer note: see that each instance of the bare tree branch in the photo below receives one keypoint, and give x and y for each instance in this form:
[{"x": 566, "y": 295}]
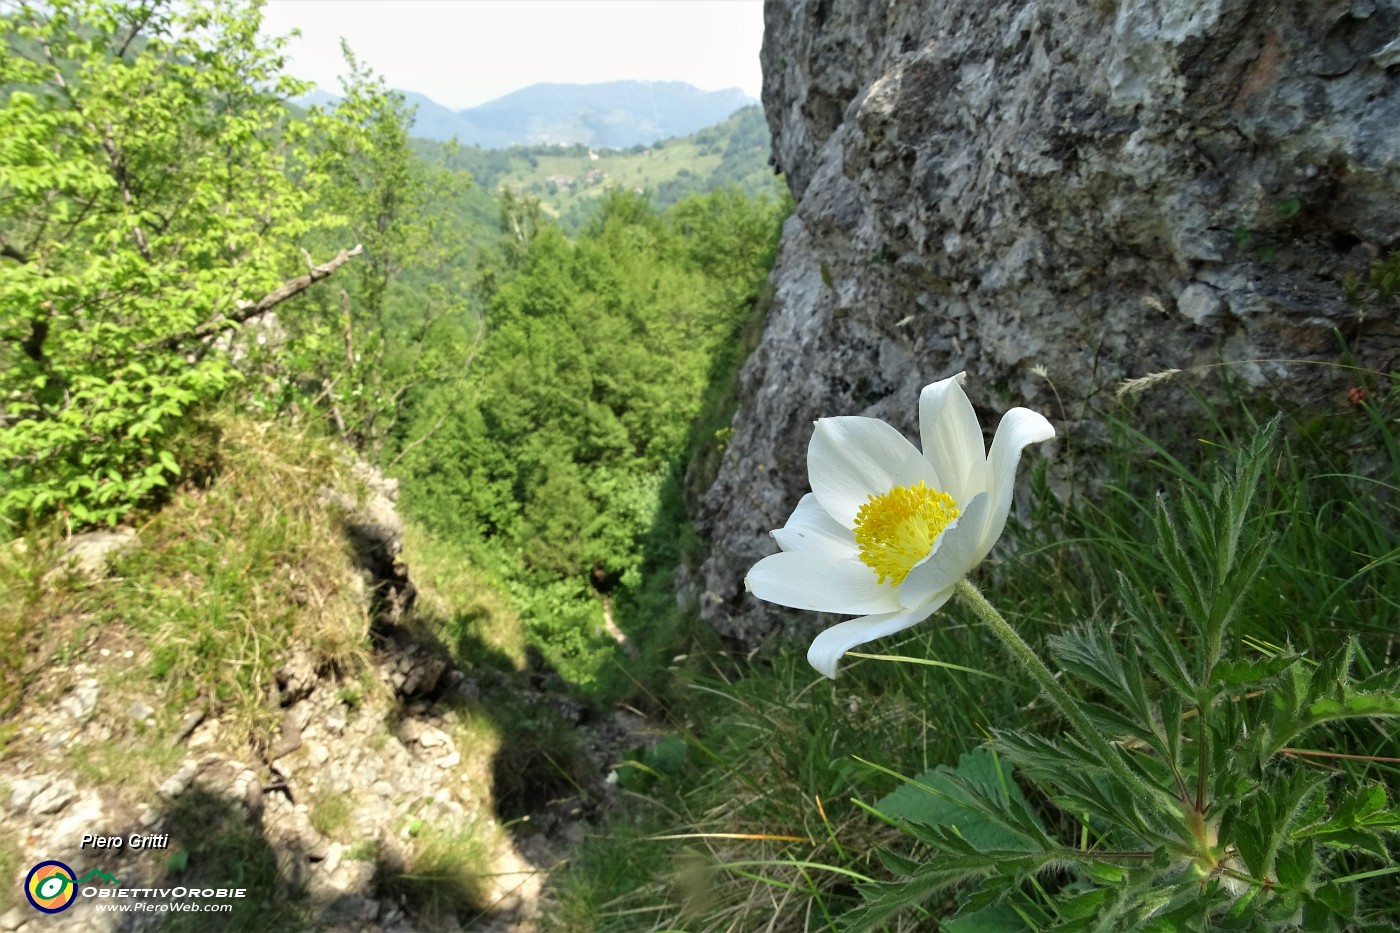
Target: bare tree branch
[
  {"x": 442, "y": 419},
  {"x": 349, "y": 334},
  {"x": 252, "y": 309},
  {"x": 136, "y": 30},
  {"x": 278, "y": 295},
  {"x": 11, "y": 252}
]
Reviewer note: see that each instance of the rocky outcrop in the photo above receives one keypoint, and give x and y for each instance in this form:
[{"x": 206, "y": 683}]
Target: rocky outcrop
[
  {"x": 398, "y": 795},
  {"x": 375, "y": 530},
  {"x": 341, "y": 796},
  {"x": 1054, "y": 197}
]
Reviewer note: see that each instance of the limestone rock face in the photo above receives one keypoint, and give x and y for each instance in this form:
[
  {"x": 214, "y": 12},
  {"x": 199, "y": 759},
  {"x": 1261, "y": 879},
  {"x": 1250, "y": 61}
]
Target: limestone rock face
[{"x": 1098, "y": 190}]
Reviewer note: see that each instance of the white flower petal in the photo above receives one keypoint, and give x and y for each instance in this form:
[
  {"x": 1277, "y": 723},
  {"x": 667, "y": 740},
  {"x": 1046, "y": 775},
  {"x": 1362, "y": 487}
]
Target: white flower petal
[
  {"x": 1019, "y": 427},
  {"x": 952, "y": 438},
  {"x": 851, "y": 459},
  {"x": 811, "y": 580},
  {"x": 809, "y": 528},
  {"x": 828, "y": 647},
  {"x": 952, "y": 557}
]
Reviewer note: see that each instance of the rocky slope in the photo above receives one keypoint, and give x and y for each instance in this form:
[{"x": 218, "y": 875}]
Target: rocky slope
[
  {"x": 1055, "y": 197},
  {"x": 374, "y": 782}
]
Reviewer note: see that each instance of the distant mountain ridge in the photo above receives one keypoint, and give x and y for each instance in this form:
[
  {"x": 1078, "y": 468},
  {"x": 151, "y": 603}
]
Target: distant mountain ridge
[{"x": 612, "y": 114}]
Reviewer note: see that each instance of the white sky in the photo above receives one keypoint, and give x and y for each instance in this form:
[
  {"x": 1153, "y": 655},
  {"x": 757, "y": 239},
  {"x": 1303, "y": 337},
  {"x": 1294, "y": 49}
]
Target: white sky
[{"x": 462, "y": 53}]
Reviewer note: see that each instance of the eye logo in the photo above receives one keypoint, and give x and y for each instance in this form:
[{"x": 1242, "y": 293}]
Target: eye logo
[{"x": 51, "y": 887}]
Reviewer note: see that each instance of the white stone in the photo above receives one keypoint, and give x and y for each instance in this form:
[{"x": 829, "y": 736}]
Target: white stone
[
  {"x": 24, "y": 790},
  {"x": 81, "y": 703},
  {"x": 431, "y": 738},
  {"x": 333, "y": 856},
  {"x": 53, "y": 798}
]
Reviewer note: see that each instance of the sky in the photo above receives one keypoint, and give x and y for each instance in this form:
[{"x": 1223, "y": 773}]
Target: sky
[{"x": 462, "y": 53}]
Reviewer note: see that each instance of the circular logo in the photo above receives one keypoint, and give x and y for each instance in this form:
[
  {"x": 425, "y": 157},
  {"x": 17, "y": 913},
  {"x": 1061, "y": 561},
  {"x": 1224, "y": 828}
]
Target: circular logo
[{"x": 51, "y": 887}]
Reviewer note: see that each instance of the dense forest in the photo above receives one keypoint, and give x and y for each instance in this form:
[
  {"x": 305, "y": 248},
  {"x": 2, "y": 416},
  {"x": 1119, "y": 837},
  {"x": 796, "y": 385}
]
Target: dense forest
[
  {"x": 189, "y": 262},
  {"x": 535, "y": 390}
]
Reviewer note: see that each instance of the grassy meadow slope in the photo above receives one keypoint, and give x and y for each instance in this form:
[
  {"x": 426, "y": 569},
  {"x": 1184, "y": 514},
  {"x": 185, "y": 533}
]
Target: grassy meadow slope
[{"x": 731, "y": 153}]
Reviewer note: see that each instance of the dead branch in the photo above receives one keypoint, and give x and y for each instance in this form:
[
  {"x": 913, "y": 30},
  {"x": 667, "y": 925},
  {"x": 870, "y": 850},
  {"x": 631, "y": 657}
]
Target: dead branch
[
  {"x": 442, "y": 419},
  {"x": 349, "y": 334},
  {"x": 251, "y": 309},
  {"x": 278, "y": 295}
]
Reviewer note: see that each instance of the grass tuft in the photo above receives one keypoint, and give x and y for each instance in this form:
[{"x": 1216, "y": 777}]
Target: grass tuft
[{"x": 228, "y": 577}]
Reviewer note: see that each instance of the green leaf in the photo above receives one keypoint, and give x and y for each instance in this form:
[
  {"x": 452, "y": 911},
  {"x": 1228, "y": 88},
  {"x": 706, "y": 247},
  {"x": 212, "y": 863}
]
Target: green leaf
[
  {"x": 999, "y": 918},
  {"x": 1295, "y": 864},
  {"x": 177, "y": 861},
  {"x": 1084, "y": 905},
  {"x": 1233, "y": 675},
  {"x": 1103, "y": 872},
  {"x": 978, "y": 799}
]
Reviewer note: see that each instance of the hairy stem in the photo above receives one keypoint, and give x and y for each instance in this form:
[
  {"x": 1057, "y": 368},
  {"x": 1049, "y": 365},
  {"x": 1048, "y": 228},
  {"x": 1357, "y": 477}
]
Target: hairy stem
[{"x": 1058, "y": 695}]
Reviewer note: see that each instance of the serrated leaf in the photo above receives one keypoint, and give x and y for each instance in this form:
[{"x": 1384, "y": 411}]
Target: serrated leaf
[
  {"x": 1253, "y": 845},
  {"x": 1295, "y": 864},
  {"x": 898, "y": 864},
  {"x": 1351, "y": 705},
  {"x": 1232, "y": 675},
  {"x": 1084, "y": 905},
  {"x": 1340, "y": 899},
  {"x": 1363, "y": 839},
  {"x": 964, "y": 798},
  {"x": 996, "y": 919}
]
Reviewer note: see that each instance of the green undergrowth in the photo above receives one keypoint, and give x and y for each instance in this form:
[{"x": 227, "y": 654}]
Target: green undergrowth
[
  {"x": 767, "y": 823},
  {"x": 243, "y": 563}
]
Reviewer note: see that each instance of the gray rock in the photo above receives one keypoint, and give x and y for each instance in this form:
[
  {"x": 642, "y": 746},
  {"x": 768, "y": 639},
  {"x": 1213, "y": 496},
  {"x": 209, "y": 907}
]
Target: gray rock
[
  {"x": 53, "y": 798},
  {"x": 432, "y": 738},
  {"x": 81, "y": 703},
  {"x": 298, "y": 676},
  {"x": 176, "y": 784},
  {"x": 1043, "y": 193},
  {"x": 88, "y": 554},
  {"x": 187, "y": 725},
  {"x": 24, "y": 790}
]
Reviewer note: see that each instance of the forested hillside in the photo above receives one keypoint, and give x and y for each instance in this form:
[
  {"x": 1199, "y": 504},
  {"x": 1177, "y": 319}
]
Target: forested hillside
[
  {"x": 568, "y": 181},
  {"x": 211, "y": 302}
]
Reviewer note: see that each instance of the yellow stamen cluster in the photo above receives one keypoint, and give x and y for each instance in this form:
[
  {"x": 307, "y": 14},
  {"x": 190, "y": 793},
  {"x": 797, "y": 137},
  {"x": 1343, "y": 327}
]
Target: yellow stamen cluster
[{"x": 897, "y": 530}]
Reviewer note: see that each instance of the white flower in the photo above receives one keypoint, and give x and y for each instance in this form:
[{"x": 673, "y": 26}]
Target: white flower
[{"x": 887, "y": 532}]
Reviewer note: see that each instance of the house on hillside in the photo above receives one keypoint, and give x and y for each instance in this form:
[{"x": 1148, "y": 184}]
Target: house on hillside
[{"x": 560, "y": 182}]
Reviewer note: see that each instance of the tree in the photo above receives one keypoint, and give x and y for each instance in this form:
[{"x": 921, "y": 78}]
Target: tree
[
  {"x": 403, "y": 324},
  {"x": 153, "y": 195}
]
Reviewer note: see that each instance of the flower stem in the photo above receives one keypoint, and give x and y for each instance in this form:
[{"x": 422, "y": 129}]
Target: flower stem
[{"x": 1058, "y": 695}]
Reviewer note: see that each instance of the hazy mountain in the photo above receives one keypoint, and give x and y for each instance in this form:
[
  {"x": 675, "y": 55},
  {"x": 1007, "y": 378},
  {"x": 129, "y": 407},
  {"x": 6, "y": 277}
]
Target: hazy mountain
[{"x": 615, "y": 114}]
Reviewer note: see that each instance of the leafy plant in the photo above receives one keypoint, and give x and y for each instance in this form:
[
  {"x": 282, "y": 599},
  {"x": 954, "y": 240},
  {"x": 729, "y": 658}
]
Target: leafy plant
[
  {"x": 1197, "y": 807},
  {"x": 154, "y": 198}
]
